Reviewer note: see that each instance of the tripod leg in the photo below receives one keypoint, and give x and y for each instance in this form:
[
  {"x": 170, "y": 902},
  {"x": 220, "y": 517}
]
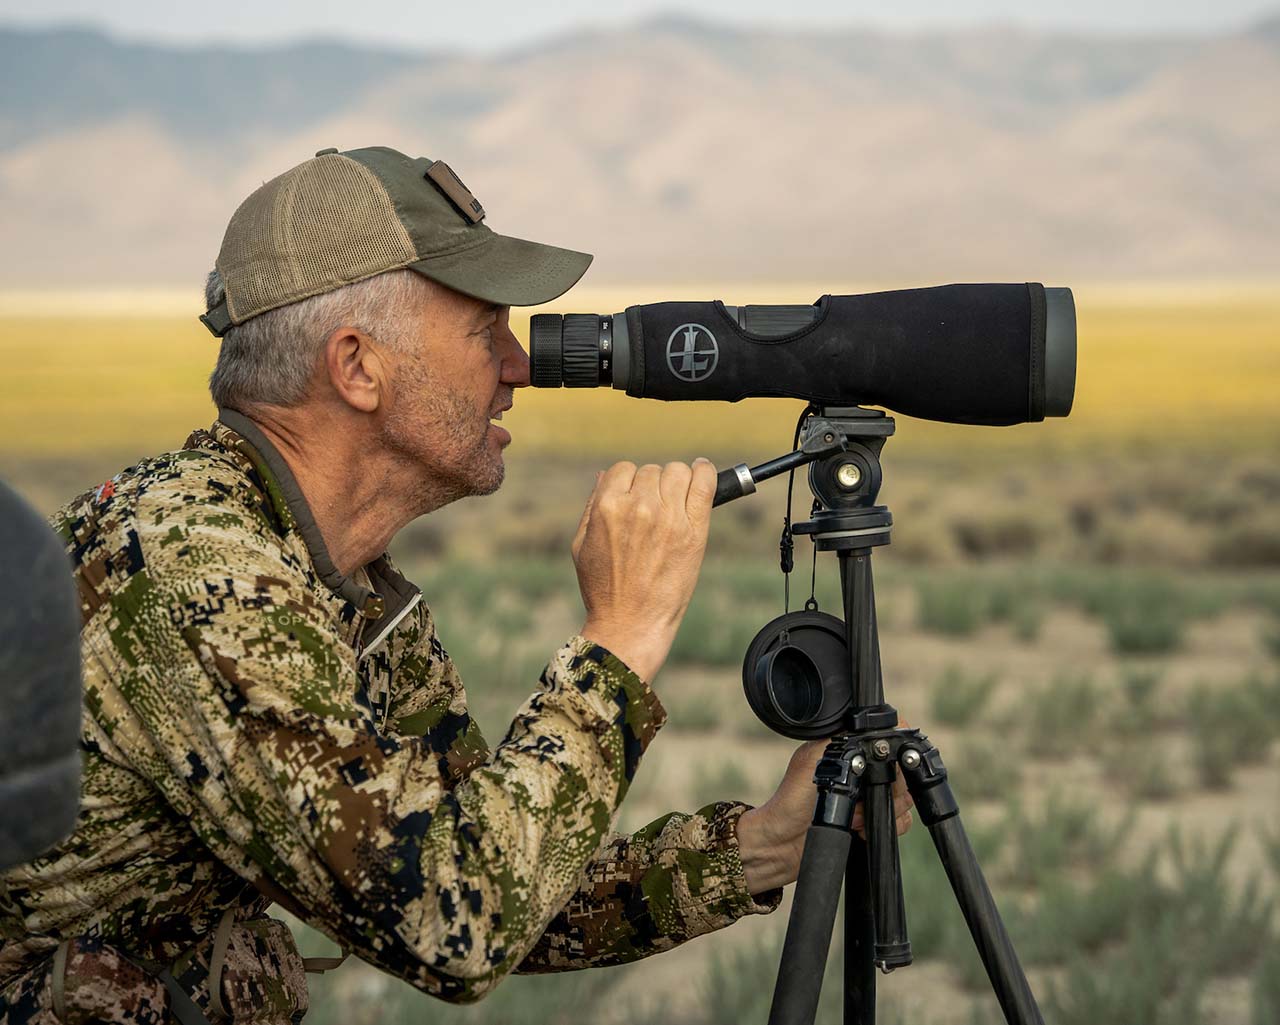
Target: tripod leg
[
  {"x": 813, "y": 914},
  {"x": 817, "y": 896},
  {"x": 926, "y": 778},
  {"x": 892, "y": 948},
  {"x": 859, "y": 939}
]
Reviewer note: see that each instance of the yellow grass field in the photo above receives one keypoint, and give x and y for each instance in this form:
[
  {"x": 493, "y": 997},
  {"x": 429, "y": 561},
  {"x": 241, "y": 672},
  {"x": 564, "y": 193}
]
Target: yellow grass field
[{"x": 1186, "y": 366}]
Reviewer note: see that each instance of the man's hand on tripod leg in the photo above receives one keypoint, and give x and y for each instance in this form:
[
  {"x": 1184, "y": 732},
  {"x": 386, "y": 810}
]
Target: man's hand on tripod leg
[{"x": 771, "y": 837}]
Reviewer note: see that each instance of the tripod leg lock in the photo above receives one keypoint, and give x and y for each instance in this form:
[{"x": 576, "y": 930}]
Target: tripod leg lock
[
  {"x": 836, "y": 778},
  {"x": 926, "y": 778}
]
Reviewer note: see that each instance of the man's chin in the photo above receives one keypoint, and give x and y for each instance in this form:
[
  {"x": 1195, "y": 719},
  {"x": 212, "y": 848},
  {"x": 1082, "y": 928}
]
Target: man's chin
[
  {"x": 492, "y": 483},
  {"x": 490, "y": 471}
]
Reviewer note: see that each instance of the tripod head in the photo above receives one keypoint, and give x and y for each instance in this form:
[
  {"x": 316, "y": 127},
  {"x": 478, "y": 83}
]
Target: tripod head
[
  {"x": 841, "y": 445},
  {"x": 846, "y": 482}
]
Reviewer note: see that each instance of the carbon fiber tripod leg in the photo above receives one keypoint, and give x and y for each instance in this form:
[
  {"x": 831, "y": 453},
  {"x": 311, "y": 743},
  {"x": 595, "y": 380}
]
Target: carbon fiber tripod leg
[
  {"x": 927, "y": 781},
  {"x": 859, "y": 939},
  {"x": 817, "y": 896}
]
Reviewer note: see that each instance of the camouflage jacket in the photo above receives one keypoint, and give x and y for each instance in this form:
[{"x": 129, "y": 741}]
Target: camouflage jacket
[{"x": 259, "y": 727}]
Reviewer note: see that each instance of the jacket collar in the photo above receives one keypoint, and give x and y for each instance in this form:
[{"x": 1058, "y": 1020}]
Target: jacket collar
[{"x": 391, "y": 596}]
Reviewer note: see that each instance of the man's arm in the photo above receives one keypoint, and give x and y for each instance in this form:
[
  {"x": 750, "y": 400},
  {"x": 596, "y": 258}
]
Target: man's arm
[
  {"x": 242, "y": 705},
  {"x": 678, "y": 878},
  {"x": 685, "y": 875}
]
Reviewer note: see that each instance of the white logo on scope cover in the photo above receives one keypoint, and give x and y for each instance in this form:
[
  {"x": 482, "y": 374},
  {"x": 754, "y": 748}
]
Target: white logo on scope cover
[{"x": 692, "y": 352}]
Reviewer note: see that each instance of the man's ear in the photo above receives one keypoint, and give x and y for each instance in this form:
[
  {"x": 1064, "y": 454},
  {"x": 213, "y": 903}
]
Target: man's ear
[{"x": 356, "y": 371}]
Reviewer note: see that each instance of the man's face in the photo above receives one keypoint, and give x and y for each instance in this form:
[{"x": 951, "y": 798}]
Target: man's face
[{"x": 462, "y": 370}]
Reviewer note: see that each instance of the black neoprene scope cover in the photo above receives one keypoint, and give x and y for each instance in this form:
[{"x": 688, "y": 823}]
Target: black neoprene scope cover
[{"x": 956, "y": 353}]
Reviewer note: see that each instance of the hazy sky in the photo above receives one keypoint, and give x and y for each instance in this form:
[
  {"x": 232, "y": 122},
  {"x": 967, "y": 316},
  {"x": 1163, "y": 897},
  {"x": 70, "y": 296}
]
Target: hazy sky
[{"x": 495, "y": 24}]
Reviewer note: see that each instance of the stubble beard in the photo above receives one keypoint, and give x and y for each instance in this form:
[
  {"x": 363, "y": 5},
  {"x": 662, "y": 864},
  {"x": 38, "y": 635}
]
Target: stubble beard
[{"x": 436, "y": 435}]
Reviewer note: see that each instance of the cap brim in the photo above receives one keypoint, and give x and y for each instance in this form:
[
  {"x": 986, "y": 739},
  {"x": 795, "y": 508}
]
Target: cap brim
[{"x": 508, "y": 271}]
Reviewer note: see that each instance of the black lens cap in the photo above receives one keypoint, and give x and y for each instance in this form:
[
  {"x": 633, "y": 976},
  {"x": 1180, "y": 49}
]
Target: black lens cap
[{"x": 796, "y": 675}]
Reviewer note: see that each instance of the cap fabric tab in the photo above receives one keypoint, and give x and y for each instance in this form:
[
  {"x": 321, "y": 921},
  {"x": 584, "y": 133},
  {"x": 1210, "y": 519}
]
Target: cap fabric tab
[
  {"x": 344, "y": 217},
  {"x": 457, "y": 193}
]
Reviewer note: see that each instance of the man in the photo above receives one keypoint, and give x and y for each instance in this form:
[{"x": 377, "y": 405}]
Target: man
[{"x": 270, "y": 714}]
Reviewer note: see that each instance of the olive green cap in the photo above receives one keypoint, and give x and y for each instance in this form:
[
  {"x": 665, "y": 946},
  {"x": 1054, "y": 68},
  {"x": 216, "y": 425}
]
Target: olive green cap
[{"x": 343, "y": 217}]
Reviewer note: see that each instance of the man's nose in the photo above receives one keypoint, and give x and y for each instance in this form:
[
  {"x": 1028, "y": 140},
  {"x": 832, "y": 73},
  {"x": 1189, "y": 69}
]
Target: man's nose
[{"x": 515, "y": 365}]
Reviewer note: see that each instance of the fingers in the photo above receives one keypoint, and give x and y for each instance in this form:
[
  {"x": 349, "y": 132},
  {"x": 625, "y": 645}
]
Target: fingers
[
  {"x": 673, "y": 485},
  {"x": 902, "y": 805},
  {"x": 617, "y": 479},
  {"x": 677, "y": 486},
  {"x": 646, "y": 480}
]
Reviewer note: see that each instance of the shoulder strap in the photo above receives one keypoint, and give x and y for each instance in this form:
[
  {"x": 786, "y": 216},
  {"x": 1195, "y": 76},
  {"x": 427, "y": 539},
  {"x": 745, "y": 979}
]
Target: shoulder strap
[
  {"x": 320, "y": 965},
  {"x": 218, "y": 960},
  {"x": 180, "y": 1003},
  {"x": 59, "y": 981}
]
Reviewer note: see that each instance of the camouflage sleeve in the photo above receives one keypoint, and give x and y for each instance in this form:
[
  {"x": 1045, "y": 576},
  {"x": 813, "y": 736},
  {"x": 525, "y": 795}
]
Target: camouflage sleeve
[
  {"x": 242, "y": 705},
  {"x": 677, "y": 878}
]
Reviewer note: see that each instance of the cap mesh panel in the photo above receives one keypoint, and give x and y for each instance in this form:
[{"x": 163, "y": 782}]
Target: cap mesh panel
[{"x": 320, "y": 225}]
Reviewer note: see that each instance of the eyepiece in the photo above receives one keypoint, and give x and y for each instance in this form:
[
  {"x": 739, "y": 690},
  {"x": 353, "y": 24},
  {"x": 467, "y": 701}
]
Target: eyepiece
[{"x": 577, "y": 350}]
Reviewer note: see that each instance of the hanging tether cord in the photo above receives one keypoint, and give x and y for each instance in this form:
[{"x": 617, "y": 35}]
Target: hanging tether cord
[{"x": 786, "y": 544}]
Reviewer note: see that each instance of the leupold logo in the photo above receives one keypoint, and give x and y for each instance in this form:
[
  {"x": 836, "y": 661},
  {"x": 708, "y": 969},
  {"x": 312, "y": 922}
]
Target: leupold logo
[{"x": 692, "y": 352}]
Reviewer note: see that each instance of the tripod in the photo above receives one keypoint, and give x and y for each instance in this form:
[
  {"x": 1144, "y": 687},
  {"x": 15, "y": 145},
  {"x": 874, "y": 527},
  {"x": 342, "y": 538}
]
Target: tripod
[{"x": 842, "y": 446}]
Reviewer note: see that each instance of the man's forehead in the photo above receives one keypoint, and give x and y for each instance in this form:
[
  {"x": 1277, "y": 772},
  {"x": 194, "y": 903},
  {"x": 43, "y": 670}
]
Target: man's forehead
[{"x": 453, "y": 303}]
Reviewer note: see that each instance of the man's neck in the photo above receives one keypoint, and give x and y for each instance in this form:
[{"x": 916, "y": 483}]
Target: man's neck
[{"x": 358, "y": 497}]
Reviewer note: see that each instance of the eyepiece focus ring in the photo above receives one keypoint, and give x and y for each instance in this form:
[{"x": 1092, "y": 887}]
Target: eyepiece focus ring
[
  {"x": 581, "y": 350},
  {"x": 546, "y": 350}
]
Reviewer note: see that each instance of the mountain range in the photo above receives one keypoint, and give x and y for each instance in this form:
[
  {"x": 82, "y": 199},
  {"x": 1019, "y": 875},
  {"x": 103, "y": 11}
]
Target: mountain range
[{"x": 676, "y": 149}]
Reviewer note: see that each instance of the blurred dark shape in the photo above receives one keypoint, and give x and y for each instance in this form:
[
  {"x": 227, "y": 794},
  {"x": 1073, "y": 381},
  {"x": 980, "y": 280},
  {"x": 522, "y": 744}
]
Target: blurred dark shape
[{"x": 39, "y": 686}]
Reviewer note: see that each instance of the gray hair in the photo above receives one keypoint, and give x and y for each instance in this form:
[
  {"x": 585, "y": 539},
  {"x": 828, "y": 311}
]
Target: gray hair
[{"x": 270, "y": 358}]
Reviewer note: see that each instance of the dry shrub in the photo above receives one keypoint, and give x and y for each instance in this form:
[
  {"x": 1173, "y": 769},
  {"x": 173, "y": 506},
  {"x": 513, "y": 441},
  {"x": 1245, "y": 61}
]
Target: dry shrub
[
  {"x": 1260, "y": 479},
  {"x": 1152, "y": 536},
  {"x": 922, "y": 540},
  {"x": 1252, "y": 543},
  {"x": 536, "y": 536},
  {"x": 421, "y": 540},
  {"x": 999, "y": 533}
]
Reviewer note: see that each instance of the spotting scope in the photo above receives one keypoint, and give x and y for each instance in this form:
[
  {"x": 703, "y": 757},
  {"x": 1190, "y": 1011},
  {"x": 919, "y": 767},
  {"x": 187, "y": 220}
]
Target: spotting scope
[{"x": 968, "y": 354}]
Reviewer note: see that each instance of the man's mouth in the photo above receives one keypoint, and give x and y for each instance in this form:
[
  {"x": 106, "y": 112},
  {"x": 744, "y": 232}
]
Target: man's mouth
[{"x": 503, "y": 434}]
